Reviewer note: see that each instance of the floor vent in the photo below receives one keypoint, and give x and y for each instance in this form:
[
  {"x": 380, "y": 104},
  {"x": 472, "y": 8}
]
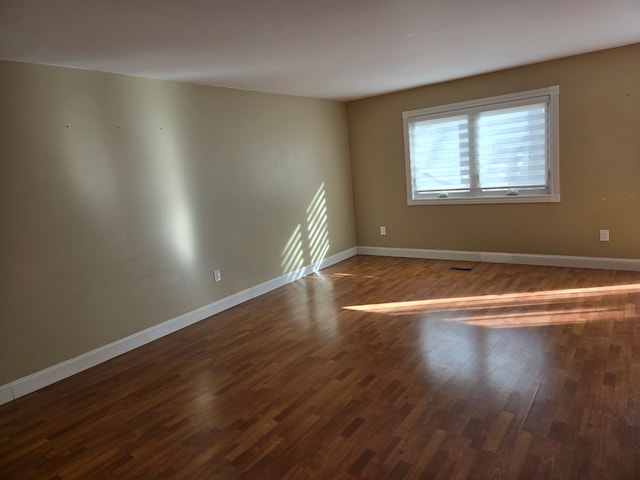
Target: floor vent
[{"x": 461, "y": 269}]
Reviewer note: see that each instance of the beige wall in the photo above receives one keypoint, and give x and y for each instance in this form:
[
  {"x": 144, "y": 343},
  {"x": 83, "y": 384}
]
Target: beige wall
[
  {"x": 599, "y": 165},
  {"x": 120, "y": 195}
]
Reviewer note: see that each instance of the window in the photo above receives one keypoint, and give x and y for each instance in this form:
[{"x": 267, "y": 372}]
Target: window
[{"x": 495, "y": 150}]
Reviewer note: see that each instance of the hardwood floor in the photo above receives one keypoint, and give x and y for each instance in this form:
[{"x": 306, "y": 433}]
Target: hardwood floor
[{"x": 375, "y": 368}]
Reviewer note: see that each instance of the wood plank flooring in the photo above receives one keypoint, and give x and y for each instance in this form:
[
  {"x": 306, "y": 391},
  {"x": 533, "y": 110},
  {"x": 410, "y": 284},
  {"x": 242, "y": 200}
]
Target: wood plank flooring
[{"x": 376, "y": 368}]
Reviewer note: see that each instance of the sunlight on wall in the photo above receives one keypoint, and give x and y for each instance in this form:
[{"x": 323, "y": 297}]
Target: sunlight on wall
[
  {"x": 180, "y": 230},
  {"x": 517, "y": 309},
  {"x": 122, "y": 189},
  {"x": 292, "y": 255},
  {"x": 178, "y": 221},
  {"x": 317, "y": 229}
]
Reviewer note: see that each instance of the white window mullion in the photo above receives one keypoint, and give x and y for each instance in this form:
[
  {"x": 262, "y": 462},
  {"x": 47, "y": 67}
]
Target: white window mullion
[{"x": 474, "y": 170}]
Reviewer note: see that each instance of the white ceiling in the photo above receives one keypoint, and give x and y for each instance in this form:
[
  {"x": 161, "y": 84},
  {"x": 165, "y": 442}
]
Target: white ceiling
[{"x": 341, "y": 49}]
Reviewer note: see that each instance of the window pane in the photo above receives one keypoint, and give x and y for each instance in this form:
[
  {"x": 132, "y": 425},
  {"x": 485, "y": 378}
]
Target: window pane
[
  {"x": 511, "y": 147},
  {"x": 501, "y": 149},
  {"x": 440, "y": 154}
]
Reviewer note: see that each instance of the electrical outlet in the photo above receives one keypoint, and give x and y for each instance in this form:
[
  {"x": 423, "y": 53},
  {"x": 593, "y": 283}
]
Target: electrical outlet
[
  {"x": 217, "y": 275},
  {"x": 383, "y": 230},
  {"x": 604, "y": 235}
]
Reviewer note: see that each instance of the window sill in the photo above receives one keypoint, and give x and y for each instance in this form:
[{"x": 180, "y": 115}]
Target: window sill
[{"x": 486, "y": 200}]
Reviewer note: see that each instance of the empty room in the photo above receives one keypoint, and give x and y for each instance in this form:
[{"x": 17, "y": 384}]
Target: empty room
[{"x": 320, "y": 240}]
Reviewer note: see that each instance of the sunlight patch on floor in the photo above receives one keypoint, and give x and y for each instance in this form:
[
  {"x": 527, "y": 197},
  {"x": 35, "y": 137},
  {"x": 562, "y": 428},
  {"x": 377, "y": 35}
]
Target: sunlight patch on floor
[{"x": 525, "y": 309}]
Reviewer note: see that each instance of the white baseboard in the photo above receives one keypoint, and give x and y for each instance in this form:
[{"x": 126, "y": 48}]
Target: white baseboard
[
  {"x": 55, "y": 373},
  {"x": 6, "y": 394},
  {"x": 606, "y": 263}
]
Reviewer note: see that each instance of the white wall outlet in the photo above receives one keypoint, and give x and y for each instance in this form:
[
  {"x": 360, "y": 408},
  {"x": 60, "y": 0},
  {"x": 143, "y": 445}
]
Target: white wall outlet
[
  {"x": 604, "y": 235},
  {"x": 383, "y": 230},
  {"x": 217, "y": 275}
]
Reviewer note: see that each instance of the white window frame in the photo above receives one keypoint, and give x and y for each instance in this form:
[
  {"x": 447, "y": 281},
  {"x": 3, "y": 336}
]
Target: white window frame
[{"x": 547, "y": 95}]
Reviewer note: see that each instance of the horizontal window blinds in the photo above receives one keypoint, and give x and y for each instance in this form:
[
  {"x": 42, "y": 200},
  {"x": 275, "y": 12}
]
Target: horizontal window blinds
[
  {"x": 492, "y": 149},
  {"x": 511, "y": 147}
]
